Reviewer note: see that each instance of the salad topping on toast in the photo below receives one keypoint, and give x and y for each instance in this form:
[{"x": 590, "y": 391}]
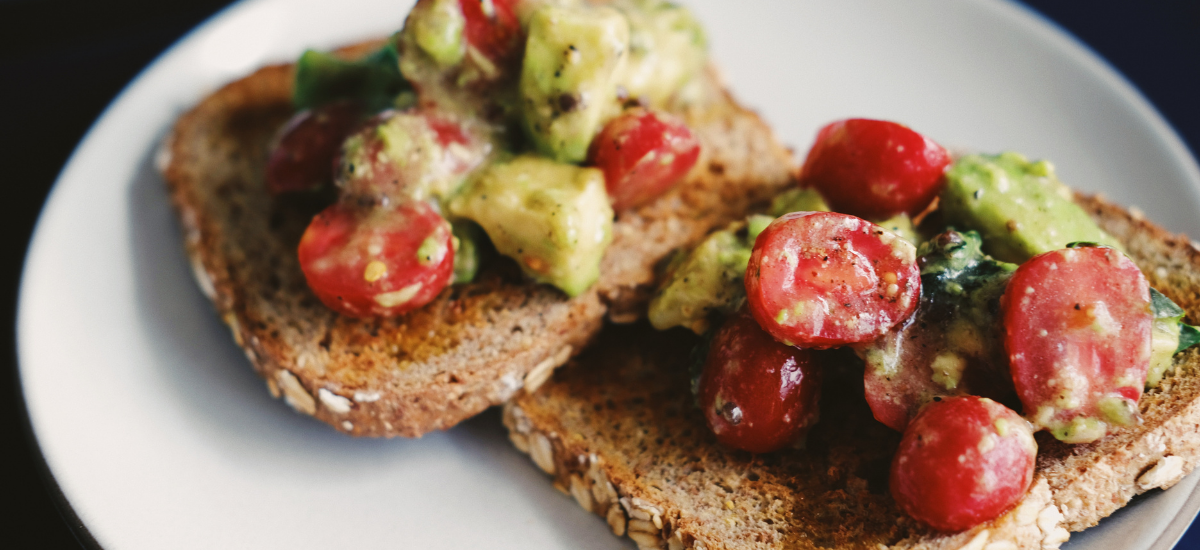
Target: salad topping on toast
[
  {"x": 488, "y": 108},
  {"x": 1065, "y": 337}
]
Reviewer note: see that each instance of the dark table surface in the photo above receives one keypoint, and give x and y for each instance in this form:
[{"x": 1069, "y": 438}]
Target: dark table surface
[{"x": 62, "y": 61}]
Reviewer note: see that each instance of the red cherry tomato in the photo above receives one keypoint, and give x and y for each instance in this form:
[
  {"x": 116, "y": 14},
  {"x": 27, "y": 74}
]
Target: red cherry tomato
[
  {"x": 823, "y": 279},
  {"x": 642, "y": 154},
  {"x": 409, "y": 155},
  {"x": 492, "y": 28},
  {"x": 303, "y": 154},
  {"x": 1077, "y": 331},
  {"x": 874, "y": 168},
  {"x": 379, "y": 262},
  {"x": 961, "y": 462},
  {"x": 757, "y": 395}
]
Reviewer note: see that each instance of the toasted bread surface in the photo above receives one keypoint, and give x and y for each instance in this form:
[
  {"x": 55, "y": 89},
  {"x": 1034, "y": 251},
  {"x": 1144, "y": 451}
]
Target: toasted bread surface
[
  {"x": 477, "y": 343},
  {"x": 618, "y": 429}
]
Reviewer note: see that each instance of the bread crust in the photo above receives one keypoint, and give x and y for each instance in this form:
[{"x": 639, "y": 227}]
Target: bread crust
[
  {"x": 477, "y": 343},
  {"x": 618, "y": 430}
]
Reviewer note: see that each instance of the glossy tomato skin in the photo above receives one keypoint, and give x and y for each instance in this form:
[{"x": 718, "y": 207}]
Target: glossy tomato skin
[
  {"x": 756, "y": 394},
  {"x": 874, "y": 168},
  {"x": 962, "y": 461},
  {"x": 642, "y": 154},
  {"x": 824, "y": 279},
  {"x": 379, "y": 262},
  {"x": 1077, "y": 332},
  {"x": 303, "y": 156}
]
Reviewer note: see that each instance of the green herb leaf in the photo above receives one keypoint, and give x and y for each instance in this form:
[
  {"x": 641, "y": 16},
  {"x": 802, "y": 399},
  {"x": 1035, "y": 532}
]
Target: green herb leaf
[
  {"x": 1188, "y": 336},
  {"x": 1163, "y": 307},
  {"x": 324, "y": 77}
]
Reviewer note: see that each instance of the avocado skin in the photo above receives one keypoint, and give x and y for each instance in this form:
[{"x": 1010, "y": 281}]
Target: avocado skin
[{"x": 1019, "y": 207}]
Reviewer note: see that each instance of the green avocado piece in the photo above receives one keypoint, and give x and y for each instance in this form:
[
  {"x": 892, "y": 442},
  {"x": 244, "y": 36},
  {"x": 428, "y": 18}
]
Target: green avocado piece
[
  {"x": 436, "y": 28},
  {"x": 568, "y": 85},
  {"x": 1020, "y": 207},
  {"x": 554, "y": 219},
  {"x": 798, "y": 200},
  {"x": 901, "y": 225},
  {"x": 707, "y": 279},
  {"x": 471, "y": 250},
  {"x": 1168, "y": 335},
  {"x": 667, "y": 47},
  {"x": 324, "y": 77}
]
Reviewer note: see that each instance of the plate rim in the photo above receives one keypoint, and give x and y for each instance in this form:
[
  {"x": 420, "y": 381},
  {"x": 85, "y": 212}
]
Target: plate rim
[{"x": 1026, "y": 16}]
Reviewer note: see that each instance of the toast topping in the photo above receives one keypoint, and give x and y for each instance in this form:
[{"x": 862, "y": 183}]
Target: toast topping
[
  {"x": 1068, "y": 332},
  {"x": 457, "y": 87}
]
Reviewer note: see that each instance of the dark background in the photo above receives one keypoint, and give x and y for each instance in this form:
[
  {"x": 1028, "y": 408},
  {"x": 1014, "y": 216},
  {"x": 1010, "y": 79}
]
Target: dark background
[{"x": 62, "y": 61}]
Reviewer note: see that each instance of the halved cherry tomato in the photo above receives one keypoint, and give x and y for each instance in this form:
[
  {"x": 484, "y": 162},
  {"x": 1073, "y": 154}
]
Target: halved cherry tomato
[
  {"x": 408, "y": 155},
  {"x": 874, "y": 168},
  {"x": 642, "y": 154},
  {"x": 962, "y": 461},
  {"x": 1077, "y": 331},
  {"x": 757, "y": 395},
  {"x": 379, "y": 262},
  {"x": 492, "y": 28},
  {"x": 302, "y": 158},
  {"x": 823, "y": 279}
]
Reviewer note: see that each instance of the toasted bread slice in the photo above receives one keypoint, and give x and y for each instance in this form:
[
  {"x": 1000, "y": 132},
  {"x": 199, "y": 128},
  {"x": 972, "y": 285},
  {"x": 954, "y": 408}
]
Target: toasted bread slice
[
  {"x": 477, "y": 343},
  {"x": 618, "y": 430}
]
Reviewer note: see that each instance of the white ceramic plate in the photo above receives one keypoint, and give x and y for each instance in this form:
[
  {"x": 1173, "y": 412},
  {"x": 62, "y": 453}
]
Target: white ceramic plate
[{"x": 160, "y": 436}]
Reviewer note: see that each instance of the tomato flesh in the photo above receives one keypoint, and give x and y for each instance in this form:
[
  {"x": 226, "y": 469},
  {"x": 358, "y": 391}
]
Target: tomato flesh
[
  {"x": 492, "y": 28},
  {"x": 874, "y": 168},
  {"x": 757, "y": 395},
  {"x": 379, "y": 262},
  {"x": 302, "y": 158},
  {"x": 1077, "y": 332},
  {"x": 962, "y": 461},
  {"x": 642, "y": 154},
  {"x": 823, "y": 279},
  {"x": 409, "y": 155}
]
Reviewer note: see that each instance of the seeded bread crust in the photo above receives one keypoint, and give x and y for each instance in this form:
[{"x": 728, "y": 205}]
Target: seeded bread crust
[
  {"x": 477, "y": 343},
  {"x": 618, "y": 430}
]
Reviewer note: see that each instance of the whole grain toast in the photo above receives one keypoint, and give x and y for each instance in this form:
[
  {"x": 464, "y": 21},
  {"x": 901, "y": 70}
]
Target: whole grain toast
[
  {"x": 477, "y": 343},
  {"x": 619, "y": 431}
]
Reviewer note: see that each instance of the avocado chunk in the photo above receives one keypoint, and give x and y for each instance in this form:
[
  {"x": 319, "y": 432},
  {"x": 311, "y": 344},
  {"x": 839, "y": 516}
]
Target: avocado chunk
[
  {"x": 568, "y": 85},
  {"x": 667, "y": 47},
  {"x": 436, "y": 28},
  {"x": 798, "y": 200},
  {"x": 901, "y": 225},
  {"x": 707, "y": 279},
  {"x": 471, "y": 249},
  {"x": 324, "y": 77},
  {"x": 554, "y": 219},
  {"x": 1020, "y": 207},
  {"x": 1168, "y": 335}
]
